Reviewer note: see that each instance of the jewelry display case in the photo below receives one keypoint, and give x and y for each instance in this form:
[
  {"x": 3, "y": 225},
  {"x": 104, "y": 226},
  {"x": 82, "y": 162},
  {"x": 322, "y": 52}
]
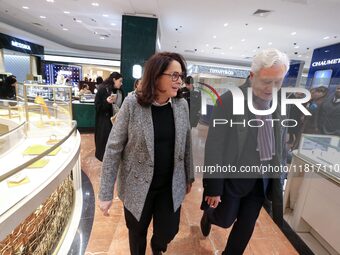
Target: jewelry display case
[
  {"x": 311, "y": 197},
  {"x": 40, "y": 183}
]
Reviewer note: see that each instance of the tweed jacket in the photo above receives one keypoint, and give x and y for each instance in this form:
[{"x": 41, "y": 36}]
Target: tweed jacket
[{"x": 129, "y": 155}]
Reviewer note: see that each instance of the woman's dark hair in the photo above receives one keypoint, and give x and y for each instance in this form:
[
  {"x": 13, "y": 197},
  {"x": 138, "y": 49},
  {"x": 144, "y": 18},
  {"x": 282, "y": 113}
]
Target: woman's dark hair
[
  {"x": 99, "y": 80},
  {"x": 108, "y": 82},
  {"x": 154, "y": 68}
]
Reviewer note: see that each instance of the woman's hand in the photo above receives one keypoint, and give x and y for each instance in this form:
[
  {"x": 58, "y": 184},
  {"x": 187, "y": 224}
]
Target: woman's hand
[
  {"x": 212, "y": 201},
  {"x": 105, "y": 206},
  {"x": 111, "y": 99}
]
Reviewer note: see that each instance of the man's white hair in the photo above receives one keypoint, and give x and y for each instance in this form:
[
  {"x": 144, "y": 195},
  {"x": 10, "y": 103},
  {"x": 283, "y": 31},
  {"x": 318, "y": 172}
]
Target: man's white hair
[{"x": 268, "y": 58}]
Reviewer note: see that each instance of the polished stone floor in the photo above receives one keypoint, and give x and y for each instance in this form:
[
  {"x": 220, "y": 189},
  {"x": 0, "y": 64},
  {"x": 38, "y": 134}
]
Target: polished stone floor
[{"x": 109, "y": 234}]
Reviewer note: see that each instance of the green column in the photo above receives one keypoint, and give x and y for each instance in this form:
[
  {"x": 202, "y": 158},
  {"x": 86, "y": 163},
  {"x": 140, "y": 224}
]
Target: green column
[{"x": 138, "y": 44}]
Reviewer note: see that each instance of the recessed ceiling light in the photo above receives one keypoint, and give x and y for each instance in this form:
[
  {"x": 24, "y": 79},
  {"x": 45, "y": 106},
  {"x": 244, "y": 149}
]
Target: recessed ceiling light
[
  {"x": 66, "y": 12},
  {"x": 231, "y": 47},
  {"x": 95, "y": 4},
  {"x": 243, "y": 40},
  {"x": 50, "y": 1},
  {"x": 113, "y": 24},
  {"x": 214, "y": 36},
  {"x": 326, "y": 37},
  {"x": 270, "y": 43},
  {"x": 260, "y": 28},
  {"x": 225, "y": 24},
  {"x": 300, "y": 56},
  {"x": 79, "y": 21},
  {"x": 95, "y": 33},
  {"x": 43, "y": 17},
  {"x": 102, "y": 38},
  {"x": 105, "y": 15},
  {"x": 207, "y": 45},
  {"x": 65, "y": 29},
  {"x": 222, "y": 53},
  {"x": 293, "y": 33},
  {"x": 25, "y": 7}
]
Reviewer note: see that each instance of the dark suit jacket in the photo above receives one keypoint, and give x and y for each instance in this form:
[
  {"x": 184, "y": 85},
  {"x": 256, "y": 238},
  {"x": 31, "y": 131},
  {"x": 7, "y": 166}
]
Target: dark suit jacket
[{"x": 225, "y": 145}]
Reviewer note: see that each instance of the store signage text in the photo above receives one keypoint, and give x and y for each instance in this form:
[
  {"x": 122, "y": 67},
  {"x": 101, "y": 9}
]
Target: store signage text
[
  {"x": 20, "y": 45},
  {"x": 221, "y": 71},
  {"x": 326, "y": 62}
]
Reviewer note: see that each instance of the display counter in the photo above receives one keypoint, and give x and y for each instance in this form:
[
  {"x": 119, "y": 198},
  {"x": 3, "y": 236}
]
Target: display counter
[
  {"x": 312, "y": 194},
  {"x": 84, "y": 113},
  {"x": 40, "y": 179}
]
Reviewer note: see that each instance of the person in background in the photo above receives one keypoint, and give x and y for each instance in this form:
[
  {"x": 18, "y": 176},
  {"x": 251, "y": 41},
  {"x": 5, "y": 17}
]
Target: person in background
[
  {"x": 237, "y": 198},
  {"x": 136, "y": 87},
  {"x": 329, "y": 114},
  {"x": 107, "y": 102},
  {"x": 85, "y": 90},
  {"x": 194, "y": 99},
  {"x": 7, "y": 91},
  {"x": 310, "y": 123},
  {"x": 99, "y": 80},
  {"x": 149, "y": 155}
]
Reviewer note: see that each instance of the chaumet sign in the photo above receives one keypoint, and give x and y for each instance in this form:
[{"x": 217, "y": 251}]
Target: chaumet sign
[
  {"x": 20, "y": 45},
  {"x": 327, "y": 62}
]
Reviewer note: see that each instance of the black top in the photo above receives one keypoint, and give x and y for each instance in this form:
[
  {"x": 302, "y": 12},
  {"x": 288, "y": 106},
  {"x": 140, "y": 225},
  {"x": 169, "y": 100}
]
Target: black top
[{"x": 164, "y": 143}]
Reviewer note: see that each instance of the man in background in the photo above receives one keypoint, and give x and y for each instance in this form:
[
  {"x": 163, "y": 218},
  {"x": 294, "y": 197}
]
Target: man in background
[
  {"x": 193, "y": 98},
  {"x": 329, "y": 114}
]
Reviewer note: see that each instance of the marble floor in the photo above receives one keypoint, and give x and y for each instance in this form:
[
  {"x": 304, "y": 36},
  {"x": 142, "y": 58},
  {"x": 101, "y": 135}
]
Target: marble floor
[{"x": 109, "y": 234}]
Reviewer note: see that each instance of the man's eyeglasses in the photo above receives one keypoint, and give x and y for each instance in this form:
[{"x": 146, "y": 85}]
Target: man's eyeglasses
[{"x": 175, "y": 76}]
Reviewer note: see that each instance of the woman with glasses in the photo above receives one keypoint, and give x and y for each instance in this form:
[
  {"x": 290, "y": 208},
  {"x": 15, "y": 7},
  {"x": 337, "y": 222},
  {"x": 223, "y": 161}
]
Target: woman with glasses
[{"x": 149, "y": 154}]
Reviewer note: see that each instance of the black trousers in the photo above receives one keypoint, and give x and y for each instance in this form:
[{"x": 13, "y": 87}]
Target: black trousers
[
  {"x": 243, "y": 212},
  {"x": 159, "y": 207}
]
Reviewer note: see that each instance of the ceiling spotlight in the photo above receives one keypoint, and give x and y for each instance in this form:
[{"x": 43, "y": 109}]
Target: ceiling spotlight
[
  {"x": 65, "y": 29},
  {"x": 50, "y": 1},
  {"x": 214, "y": 36},
  {"x": 79, "y": 21},
  {"x": 293, "y": 33},
  {"x": 95, "y": 4},
  {"x": 326, "y": 37},
  {"x": 66, "y": 12},
  {"x": 260, "y": 28},
  {"x": 113, "y": 24},
  {"x": 25, "y": 7},
  {"x": 300, "y": 56},
  {"x": 105, "y": 15},
  {"x": 207, "y": 45},
  {"x": 231, "y": 47},
  {"x": 243, "y": 40},
  {"x": 43, "y": 17},
  {"x": 270, "y": 43},
  {"x": 102, "y": 38},
  {"x": 225, "y": 24}
]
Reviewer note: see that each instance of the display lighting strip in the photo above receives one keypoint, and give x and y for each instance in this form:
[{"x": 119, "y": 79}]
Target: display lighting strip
[{"x": 101, "y": 62}]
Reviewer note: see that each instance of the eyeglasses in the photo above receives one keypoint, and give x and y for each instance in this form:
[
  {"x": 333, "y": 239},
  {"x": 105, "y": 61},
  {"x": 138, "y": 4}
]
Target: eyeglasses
[{"x": 175, "y": 76}]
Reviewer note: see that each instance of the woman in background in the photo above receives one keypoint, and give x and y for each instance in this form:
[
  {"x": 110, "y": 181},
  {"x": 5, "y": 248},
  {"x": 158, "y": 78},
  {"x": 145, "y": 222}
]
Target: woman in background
[
  {"x": 107, "y": 102},
  {"x": 7, "y": 91},
  {"x": 149, "y": 153}
]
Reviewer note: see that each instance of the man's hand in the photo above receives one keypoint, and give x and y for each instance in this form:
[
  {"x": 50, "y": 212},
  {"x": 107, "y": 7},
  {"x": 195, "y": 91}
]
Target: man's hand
[
  {"x": 212, "y": 201},
  {"x": 105, "y": 206}
]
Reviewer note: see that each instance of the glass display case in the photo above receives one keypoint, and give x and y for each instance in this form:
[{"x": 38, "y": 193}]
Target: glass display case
[
  {"x": 44, "y": 103},
  {"x": 39, "y": 159},
  {"x": 323, "y": 152}
]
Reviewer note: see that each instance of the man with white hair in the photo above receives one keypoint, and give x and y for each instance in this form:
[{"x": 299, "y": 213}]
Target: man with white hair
[{"x": 236, "y": 198}]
